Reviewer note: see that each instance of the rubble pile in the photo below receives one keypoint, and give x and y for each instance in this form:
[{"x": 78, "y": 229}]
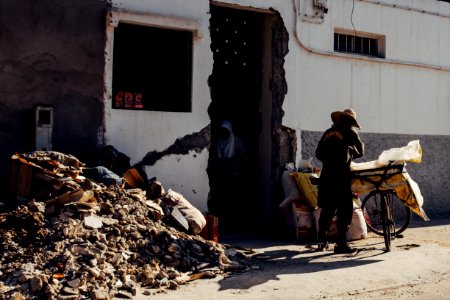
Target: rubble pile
[{"x": 92, "y": 241}]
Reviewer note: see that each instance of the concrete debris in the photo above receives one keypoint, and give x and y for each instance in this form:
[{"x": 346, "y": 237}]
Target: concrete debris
[
  {"x": 93, "y": 222},
  {"x": 79, "y": 239}
]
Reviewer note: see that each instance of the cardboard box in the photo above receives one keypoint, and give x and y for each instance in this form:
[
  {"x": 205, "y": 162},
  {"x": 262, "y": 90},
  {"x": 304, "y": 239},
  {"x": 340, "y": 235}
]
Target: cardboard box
[
  {"x": 133, "y": 178},
  {"x": 303, "y": 220}
]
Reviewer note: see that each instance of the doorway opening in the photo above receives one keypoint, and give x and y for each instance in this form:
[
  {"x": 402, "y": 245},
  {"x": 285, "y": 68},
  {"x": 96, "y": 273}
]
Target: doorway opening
[{"x": 242, "y": 91}]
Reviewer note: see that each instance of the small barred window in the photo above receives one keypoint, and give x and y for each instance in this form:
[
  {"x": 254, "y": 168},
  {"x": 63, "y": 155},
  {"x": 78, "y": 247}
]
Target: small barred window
[{"x": 359, "y": 43}]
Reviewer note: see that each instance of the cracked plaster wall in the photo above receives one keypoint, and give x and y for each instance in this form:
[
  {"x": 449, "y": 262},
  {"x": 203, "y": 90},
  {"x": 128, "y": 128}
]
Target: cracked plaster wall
[{"x": 162, "y": 141}]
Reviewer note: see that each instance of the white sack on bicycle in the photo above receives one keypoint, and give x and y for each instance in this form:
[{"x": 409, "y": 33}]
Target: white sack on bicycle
[
  {"x": 406, "y": 188},
  {"x": 409, "y": 153}
]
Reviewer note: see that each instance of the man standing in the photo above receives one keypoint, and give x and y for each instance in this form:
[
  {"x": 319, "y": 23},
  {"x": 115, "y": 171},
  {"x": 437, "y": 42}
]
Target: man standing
[{"x": 338, "y": 146}]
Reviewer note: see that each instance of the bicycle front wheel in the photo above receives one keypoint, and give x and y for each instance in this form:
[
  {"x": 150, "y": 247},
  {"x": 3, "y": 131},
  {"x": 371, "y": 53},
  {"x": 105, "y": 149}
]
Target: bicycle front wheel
[{"x": 371, "y": 207}]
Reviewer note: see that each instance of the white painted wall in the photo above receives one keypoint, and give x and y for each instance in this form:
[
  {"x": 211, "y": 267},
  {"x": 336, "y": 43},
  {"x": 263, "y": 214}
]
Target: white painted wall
[{"x": 406, "y": 93}]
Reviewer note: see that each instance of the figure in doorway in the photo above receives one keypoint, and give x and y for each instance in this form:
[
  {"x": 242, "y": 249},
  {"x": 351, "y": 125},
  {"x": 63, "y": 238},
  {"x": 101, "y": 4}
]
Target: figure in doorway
[{"x": 225, "y": 169}]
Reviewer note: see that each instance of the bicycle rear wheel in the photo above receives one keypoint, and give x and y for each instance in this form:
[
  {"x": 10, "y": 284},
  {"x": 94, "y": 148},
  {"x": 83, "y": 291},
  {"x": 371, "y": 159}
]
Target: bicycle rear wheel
[{"x": 371, "y": 207}]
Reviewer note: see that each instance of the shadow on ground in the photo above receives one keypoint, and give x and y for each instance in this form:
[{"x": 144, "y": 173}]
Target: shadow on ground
[
  {"x": 290, "y": 257},
  {"x": 274, "y": 263}
]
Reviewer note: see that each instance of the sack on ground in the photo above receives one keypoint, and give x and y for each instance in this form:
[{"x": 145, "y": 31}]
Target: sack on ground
[
  {"x": 358, "y": 228},
  {"x": 290, "y": 189},
  {"x": 332, "y": 231},
  {"x": 194, "y": 217},
  {"x": 356, "y": 231},
  {"x": 309, "y": 190}
]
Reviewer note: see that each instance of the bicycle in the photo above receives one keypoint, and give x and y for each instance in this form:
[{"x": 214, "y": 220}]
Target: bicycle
[{"x": 385, "y": 214}]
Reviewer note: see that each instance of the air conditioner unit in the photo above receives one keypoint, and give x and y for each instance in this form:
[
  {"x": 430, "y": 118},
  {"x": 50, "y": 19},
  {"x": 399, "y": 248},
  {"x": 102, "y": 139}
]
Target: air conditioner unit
[{"x": 44, "y": 128}]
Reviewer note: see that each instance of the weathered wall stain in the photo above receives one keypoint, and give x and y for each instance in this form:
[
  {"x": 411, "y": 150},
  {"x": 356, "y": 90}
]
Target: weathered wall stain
[{"x": 52, "y": 53}]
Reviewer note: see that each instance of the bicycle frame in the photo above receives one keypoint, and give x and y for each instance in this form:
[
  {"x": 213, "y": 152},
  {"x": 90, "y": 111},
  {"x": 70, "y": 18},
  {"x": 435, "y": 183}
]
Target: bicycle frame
[{"x": 386, "y": 211}]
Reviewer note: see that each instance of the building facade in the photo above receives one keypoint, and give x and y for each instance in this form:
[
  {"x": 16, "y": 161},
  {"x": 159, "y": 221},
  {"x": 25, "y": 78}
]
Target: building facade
[{"x": 156, "y": 78}]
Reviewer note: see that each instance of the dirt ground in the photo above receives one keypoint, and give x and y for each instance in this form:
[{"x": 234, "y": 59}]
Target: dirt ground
[{"x": 418, "y": 267}]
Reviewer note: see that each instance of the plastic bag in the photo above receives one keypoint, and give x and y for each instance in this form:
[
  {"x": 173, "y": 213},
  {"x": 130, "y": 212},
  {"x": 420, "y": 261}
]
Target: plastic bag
[
  {"x": 410, "y": 153},
  {"x": 305, "y": 165}
]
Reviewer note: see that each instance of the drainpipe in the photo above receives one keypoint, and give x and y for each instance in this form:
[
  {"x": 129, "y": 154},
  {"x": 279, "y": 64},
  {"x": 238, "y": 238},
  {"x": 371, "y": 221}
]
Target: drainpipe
[{"x": 356, "y": 57}]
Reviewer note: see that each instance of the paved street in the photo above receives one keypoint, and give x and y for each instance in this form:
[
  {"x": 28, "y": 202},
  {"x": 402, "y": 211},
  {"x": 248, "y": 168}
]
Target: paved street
[{"x": 418, "y": 267}]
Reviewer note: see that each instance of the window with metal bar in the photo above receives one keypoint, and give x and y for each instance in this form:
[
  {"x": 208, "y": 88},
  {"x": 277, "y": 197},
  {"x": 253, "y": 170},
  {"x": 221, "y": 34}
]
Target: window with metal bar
[{"x": 362, "y": 44}]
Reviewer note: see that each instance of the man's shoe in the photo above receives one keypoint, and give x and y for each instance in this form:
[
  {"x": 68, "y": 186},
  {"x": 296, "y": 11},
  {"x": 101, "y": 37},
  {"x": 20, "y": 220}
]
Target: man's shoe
[
  {"x": 322, "y": 247},
  {"x": 343, "y": 249}
]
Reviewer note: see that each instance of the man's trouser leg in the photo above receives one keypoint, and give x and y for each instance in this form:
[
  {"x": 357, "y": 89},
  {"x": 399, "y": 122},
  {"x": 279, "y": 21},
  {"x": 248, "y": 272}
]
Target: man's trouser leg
[
  {"x": 326, "y": 215},
  {"x": 344, "y": 217}
]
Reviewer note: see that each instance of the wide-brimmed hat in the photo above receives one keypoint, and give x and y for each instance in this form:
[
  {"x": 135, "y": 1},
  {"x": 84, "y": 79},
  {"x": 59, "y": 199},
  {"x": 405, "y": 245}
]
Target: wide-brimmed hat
[{"x": 347, "y": 114}]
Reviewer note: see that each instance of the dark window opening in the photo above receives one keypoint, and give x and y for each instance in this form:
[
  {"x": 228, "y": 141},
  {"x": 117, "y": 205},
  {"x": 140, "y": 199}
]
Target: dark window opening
[
  {"x": 363, "y": 45},
  {"x": 152, "y": 69}
]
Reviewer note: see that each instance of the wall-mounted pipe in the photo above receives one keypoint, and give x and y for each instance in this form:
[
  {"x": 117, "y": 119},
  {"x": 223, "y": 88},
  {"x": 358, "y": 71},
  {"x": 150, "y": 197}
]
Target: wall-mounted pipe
[
  {"x": 357, "y": 57},
  {"x": 406, "y": 8}
]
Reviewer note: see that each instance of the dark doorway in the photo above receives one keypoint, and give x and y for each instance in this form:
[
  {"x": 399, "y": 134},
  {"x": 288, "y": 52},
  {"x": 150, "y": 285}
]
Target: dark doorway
[{"x": 237, "y": 43}]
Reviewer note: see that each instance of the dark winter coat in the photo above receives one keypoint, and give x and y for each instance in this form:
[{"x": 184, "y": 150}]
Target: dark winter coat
[{"x": 338, "y": 146}]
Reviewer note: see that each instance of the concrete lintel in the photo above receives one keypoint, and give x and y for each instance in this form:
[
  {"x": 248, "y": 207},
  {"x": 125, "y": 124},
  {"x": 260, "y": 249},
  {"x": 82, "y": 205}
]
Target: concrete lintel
[{"x": 116, "y": 16}]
